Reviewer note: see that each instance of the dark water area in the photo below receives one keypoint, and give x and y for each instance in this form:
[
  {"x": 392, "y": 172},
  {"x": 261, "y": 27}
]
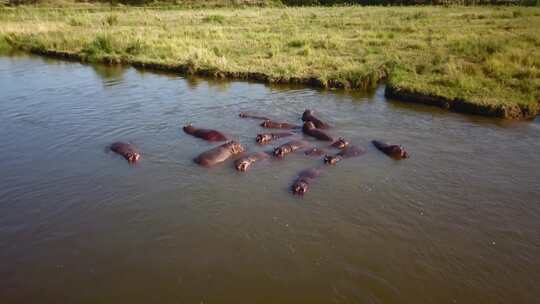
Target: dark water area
[{"x": 458, "y": 222}]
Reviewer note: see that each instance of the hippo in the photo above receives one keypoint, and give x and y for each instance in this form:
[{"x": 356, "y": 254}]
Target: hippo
[
  {"x": 244, "y": 163},
  {"x": 304, "y": 179},
  {"x": 128, "y": 151},
  {"x": 206, "y": 134},
  {"x": 341, "y": 143},
  {"x": 350, "y": 151},
  {"x": 246, "y": 115},
  {"x": 315, "y": 152},
  {"x": 310, "y": 130},
  {"x": 265, "y": 138},
  {"x": 395, "y": 151},
  {"x": 269, "y": 124},
  {"x": 219, "y": 154},
  {"x": 289, "y": 147},
  {"x": 308, "y": 116}
]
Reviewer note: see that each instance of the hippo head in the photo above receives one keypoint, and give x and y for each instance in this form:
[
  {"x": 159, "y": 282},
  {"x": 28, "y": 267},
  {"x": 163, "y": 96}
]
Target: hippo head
[
  {"x": 242, "y": 165},
  {"x": 308, "y": 125},
  {"x": 300, "y": 187},
  {"x": 188, "y": 128},
  {"x": 331, "y": 160},
  {"x": 398, "y": 152},
  {"x": 341, "y": 143},
  {"x": 133, "y": 157},
  {"x": 266, "y": 124},
  {"x": 404, "y": 153},
  {"x": 263, "y": 138},
  {"x": 306, "y": 114},
  {"x": 236, "y": 147},
  {"x": 242, "y": 114},
  {"x": 281, "y": 151}
]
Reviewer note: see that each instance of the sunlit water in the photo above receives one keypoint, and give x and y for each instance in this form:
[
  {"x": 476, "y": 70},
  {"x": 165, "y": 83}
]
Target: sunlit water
[{"x": 458, "y": 222}]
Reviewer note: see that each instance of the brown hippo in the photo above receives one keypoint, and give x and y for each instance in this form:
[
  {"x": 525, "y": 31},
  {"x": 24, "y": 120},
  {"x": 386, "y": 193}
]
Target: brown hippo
[
  {"x": 244, "y": 163},
  {"x": 341, "y": 143},
  {"x": 128, "y": 151},
  {"x": 219, "y": 154},
  {"x": 265, "y": 138},
  {"x": 289, "y": 147},
  {"x": 308, "y": 116},
  {"x": 207, "y": 134},
  {"x": 246, "y": 115},
  {"x": 315, "y": 152},
  {"x": 269, "y": 124},
  {"x": 310, "y": 130},
  {"x": 350, "y": 151},
  {"x": 394, "y": 151},
  {"x": 304, "y": 179}
]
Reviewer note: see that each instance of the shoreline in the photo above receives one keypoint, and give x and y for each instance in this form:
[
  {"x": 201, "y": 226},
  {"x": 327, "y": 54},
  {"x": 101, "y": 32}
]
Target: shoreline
[
  {"x": 422, "y": 54},
  {"x": 187, "y": 69},
  {"x": 513, "y": 112},
  {"x": 391, "y": 91}
]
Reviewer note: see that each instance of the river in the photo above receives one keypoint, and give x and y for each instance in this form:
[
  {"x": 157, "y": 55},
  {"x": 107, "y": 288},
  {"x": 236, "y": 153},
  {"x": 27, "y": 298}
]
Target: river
[{"x": 457, "y": 222}]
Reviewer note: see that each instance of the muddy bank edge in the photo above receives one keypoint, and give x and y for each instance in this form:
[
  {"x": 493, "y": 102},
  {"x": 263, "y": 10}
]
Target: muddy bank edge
[{"x": 510, "y": 112}]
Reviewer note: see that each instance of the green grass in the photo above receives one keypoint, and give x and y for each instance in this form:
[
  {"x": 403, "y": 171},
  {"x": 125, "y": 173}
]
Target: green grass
[{"x": 487, "y": 56}]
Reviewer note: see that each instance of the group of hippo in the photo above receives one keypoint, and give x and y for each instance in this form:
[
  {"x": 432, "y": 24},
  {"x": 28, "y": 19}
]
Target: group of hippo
[{"x": 312, "y": 126}]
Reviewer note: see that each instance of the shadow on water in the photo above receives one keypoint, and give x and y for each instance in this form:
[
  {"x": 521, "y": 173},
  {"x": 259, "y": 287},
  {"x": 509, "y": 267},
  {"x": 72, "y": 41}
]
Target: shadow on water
[
  {"x": 223, "y": 85},
  {"x": 111, "y": 75},
  {"x": 439, "y": 112}
]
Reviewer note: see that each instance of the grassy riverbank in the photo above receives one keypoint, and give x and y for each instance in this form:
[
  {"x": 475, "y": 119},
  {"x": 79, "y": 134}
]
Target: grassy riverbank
[{"x": 482, "y": 60}]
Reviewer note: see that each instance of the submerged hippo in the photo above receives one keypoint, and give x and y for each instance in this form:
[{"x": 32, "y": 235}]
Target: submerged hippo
[
  {"x": 304, "y": 179},
  {"x": 341, "y": 143},
  {"x": 289, "y": 147},
  {"x": 350, "y": 151},
  {"x": 219, "y": 154},
  {"x": 206, "y": 134},
  {"x": 394, "y": 151},
  {"x": 315, "y": 152},
  {"x": 269, "y": 124},
  {"x": 246, "y": 115},
  {"x": 308, "y": 116},
  {"x": 310, "y": 130},
  {"x": 265, "y": 138},
  {"x": 128, "y": 151},
  {"x": 244, "y": 163}
]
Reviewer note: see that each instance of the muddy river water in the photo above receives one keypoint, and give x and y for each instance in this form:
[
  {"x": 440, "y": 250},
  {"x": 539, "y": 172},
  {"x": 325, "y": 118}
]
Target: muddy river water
[{"x": 458, "y": 222}]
